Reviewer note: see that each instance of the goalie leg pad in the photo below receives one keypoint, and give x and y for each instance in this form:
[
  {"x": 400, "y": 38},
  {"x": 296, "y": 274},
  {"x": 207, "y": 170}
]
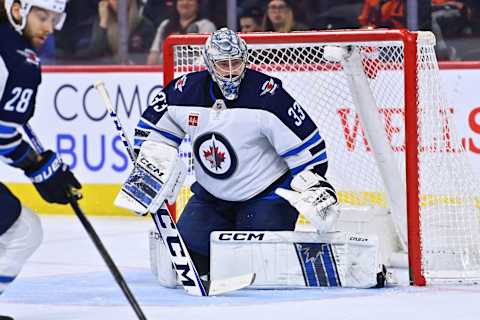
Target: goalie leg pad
[
  {"x": 157, "y": 176},
  {"x": 160, "y": 263},
  {"x": 287, "y": 259}
]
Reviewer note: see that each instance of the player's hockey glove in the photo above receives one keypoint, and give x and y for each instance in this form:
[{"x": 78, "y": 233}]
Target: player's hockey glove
[
  {"x": 315, "y": 197},
  {"x": 52, "y": 178}
]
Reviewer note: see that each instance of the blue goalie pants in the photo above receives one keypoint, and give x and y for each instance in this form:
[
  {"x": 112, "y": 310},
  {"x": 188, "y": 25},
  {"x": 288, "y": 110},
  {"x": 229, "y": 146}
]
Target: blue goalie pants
[{"x": 204, "y": 213}]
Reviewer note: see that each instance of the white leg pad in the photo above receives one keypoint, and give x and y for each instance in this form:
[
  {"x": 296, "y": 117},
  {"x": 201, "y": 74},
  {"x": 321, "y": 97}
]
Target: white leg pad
[
  {"x": 18, "y": 244},
  {"x": 285, "y": 259},
  {"x": 160, "y": 262}
]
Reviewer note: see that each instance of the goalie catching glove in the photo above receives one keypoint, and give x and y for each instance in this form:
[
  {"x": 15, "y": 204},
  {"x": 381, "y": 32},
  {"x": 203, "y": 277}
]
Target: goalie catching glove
[
  {"x": 315, "y": 197},
  {"x": 157, "y": 176}
]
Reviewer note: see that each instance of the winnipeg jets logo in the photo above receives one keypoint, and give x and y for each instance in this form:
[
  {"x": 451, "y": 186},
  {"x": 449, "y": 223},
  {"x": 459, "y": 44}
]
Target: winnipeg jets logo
[
  {"x": 181, "y": 83},
  {"x": 30, "y": 56},
  {"x": 215, "y": 155},
  {"x": 269, "y": 87}
]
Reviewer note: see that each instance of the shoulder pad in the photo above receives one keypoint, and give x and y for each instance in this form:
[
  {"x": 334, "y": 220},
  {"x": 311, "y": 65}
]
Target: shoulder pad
[{"x": 188, "y": 89}]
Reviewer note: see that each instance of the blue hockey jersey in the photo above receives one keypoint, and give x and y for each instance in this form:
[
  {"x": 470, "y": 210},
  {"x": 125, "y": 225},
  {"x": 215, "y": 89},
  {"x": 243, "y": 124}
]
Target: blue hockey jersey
[
  {"x": 19, "y": 80},
  {"x": 242, "y": 146}
]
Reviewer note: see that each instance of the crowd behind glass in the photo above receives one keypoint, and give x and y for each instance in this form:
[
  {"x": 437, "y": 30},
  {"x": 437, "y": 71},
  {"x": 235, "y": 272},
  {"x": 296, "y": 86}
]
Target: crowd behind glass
[{"x": 91, "y": 32}]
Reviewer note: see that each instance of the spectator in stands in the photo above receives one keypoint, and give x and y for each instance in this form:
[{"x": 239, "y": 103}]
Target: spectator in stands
[
  {"x": 251, "y": 20},
  {"x": 341, "y": 14},
  {"x": 76, "y": 33},
  {"x": 449, "y": 18},
  {"x": 280, "y": 17},
  {"x": 185, "y": 19},
  {"x": 382, "y": 14},
  {"x": 215, "y": 11},
  {"x": 156, "y": 10},
  {"x": 105, "y": 40}
]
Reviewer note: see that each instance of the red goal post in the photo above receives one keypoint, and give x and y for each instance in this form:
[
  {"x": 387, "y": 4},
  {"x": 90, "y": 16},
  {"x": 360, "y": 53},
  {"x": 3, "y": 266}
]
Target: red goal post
[{"x": 403, "y": 75}]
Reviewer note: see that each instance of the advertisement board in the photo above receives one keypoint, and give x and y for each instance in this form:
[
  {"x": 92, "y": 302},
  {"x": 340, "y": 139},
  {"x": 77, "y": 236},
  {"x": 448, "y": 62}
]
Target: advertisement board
[{"x": 71, "y": 119}]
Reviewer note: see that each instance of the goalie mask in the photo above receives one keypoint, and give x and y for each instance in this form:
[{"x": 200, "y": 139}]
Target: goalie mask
[
  {"x": 57, "y": 6},
  {"x": 225, "y": 55}
]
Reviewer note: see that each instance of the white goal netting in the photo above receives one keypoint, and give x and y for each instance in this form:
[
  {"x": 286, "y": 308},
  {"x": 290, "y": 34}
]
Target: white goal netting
[{"x": 449, "y": 193}]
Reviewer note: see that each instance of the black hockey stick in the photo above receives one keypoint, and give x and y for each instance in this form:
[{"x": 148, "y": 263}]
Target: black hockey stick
[{"x": 93, "y": 235}]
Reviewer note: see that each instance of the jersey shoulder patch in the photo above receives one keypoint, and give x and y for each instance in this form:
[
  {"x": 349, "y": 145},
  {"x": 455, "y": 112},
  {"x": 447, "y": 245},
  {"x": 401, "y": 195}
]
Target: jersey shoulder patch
[
  {"x": 264, "y": 92},
  {"x": 18, "y": 51},
  {"x": 189, "y": 89},
  {"x": 269, "y": 87}
]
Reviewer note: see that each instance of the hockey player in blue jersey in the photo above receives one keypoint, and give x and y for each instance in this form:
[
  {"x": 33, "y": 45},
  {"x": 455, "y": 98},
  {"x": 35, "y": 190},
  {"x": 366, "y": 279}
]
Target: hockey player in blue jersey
[
  {"x": 250, "y": 138},
  {"x": 24, "y": 27}
]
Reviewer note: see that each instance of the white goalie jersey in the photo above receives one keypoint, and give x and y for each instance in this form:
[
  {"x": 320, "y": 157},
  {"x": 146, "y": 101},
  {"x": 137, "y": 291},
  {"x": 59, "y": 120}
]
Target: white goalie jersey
[{"x": 242, "y": 146}]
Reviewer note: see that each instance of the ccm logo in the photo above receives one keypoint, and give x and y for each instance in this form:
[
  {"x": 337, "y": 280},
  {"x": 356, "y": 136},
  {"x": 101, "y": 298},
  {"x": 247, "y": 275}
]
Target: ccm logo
[
  {"x": 246, "y": 236},
  {"x": 150, "y": 166},
  {"x": 358, "y": 239}
]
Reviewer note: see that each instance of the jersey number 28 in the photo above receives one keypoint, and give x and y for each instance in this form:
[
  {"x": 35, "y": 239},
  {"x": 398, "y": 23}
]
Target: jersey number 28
[{"x": 20, "y": 100}]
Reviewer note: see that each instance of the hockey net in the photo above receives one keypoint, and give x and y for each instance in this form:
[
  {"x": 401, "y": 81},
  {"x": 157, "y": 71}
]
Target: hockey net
[{"x": 426, "y": 158}]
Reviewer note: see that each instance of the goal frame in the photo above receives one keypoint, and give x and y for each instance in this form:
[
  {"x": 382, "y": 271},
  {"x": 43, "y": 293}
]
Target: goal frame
[{"x": 409, "y": 40}]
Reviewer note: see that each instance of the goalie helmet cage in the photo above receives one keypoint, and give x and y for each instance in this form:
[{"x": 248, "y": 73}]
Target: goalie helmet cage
[{"x": 426, "y": 155}]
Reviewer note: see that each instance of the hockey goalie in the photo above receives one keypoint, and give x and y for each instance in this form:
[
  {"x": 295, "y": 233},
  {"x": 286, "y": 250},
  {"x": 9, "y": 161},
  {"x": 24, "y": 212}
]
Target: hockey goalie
[{"x": 259, "y": 161}]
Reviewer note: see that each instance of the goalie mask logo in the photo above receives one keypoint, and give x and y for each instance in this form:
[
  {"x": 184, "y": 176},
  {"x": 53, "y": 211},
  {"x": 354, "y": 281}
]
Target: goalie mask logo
[{"x": 215, "y": 155}]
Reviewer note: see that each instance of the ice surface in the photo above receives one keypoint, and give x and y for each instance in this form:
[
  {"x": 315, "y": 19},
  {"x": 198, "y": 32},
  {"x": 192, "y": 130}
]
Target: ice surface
[{"x": 66, "y": 280}]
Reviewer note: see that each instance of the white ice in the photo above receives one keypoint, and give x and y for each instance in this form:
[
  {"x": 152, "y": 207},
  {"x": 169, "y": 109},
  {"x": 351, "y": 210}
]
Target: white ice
[{"x": 66, "y": 280}]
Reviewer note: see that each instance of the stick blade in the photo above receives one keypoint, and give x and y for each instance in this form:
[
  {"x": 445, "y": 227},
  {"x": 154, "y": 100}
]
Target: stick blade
[{"x": 221, "y": 286}]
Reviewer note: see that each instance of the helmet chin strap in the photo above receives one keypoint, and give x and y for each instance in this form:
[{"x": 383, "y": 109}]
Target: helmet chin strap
[
  {"x": 23, "y": 18},
  {"x": 26, "y": 7}
]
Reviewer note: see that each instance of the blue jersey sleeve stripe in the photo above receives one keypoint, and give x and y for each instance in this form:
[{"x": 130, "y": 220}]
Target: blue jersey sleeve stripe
[
  {"x": 314, "y": 139},
  {"x": 20, "y": 153},
  {"x": 317, "y": 160},
  {"x": 7, "y": 129},
  {"x": 10, "y": 140},
  {"x": 7, "y": 149},
  {"x": 138, "y": 142},
  {"x": 320, "y": 147},
  {"x": 144, "y": 125},
  {"x": 172, "y": 137}
]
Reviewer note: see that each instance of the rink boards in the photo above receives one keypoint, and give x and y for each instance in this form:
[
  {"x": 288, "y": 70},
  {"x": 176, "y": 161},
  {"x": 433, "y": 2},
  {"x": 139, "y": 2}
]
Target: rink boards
[{"x": 71, "y": 119}]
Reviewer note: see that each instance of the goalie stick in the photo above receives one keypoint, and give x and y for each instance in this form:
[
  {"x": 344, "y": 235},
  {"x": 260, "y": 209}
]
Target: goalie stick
[
  {"x": 93, "y": 235},
  {"x": 171, "y": 238}
]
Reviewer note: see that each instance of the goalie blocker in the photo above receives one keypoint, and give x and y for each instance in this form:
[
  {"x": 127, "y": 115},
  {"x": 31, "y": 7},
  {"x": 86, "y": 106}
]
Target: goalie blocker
[
  {"x": 286, "y": 259},
  {"x": 157, "y": 176}
]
